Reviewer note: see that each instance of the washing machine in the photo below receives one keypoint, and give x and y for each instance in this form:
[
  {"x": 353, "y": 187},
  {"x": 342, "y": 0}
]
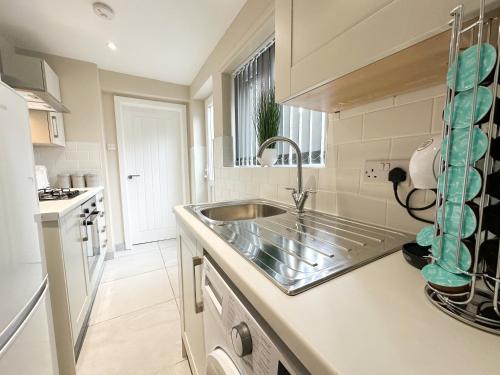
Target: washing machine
[{"x": 237, "y": 340}]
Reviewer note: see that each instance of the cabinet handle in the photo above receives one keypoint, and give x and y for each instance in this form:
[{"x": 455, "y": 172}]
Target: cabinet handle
[
  {"x": 198, "y": 306},
  {"x": 103, "y": 230},
  {"x": 102, "y": 214},
  {"x": 55, "y": 130},
  {"x": 101, "y": 200}
]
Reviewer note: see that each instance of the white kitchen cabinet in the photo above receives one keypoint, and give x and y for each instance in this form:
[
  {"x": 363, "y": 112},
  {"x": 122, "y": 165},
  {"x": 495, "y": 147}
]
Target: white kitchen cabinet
[
  {"x": 192, "y": 306},
  {"x": 101, "y": 222},
  {"x": 75, "y": 266},
  {"x": 47, "y": 128},
  {"x": 320, "y": 41}
]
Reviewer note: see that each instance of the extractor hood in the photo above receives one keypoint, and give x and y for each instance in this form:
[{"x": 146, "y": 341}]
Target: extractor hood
[{"x": 32, "y": 77}]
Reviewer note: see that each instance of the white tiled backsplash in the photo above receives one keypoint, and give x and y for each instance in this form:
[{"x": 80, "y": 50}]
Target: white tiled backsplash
[
  {"x": 387, "y": 129},
  {"x": 83, "y": 157}
]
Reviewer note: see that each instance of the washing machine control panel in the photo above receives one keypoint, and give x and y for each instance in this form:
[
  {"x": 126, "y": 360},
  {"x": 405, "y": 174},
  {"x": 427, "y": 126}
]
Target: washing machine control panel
[
  {"x": 241, "y": 339},
  {"x": 246, "y": 341}
]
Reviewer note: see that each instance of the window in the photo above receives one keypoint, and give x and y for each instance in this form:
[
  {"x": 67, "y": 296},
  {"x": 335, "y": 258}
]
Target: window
[{"x": 304, "y": 126}]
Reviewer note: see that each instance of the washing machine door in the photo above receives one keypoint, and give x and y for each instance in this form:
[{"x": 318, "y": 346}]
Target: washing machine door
[{"x": 219, "y": 363}]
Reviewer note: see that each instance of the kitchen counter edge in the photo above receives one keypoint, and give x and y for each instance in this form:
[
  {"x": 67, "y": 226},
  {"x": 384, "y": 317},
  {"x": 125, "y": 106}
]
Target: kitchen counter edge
[
  {"x": 54, "y": 210},
  {"x": 375, "y": 317}
]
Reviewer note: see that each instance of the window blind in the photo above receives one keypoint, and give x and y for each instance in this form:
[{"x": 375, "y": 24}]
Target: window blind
[{"x": 306, "y": 127}]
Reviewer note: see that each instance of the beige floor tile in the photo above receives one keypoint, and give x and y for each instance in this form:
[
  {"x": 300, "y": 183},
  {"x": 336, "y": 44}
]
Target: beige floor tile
[
  {"x": 146, "y": 246},
  {"x": 173, "y": 276},
  {"x": 132, "y": 265},
  {"x": 168, "y": 243},
  {"x": 169, "y": 255},
  {"x": 137, "y": 249},
  {"x": 181, "y": 368},
  {"x": 144, "y": 342},
  {"x": 123, "y": 296}
]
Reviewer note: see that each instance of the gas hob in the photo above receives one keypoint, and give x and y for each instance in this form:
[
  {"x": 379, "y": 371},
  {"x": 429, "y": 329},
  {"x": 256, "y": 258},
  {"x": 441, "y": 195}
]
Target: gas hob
[{"x": 50, "y": 194}]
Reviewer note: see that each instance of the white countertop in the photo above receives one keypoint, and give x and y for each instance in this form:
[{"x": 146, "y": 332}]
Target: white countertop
[
  {"x": 373, "y": 320},
  {"x": 53, "y": 210}
]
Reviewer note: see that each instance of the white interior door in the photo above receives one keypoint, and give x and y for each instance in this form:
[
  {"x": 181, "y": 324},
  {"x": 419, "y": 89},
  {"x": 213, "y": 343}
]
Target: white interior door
[{"x": 152, "y": 167}]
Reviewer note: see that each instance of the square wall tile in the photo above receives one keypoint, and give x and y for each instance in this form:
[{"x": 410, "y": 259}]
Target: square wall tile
[
  {"x": 327, "y": 179},
  {"x": 398, "y": 218},
  {"x": 361, "y": 208},
  {"x": 324, "y": 201},
  {"x": 347, "y": 180},
  {"x": 409, "y": 119},
  {"x": 419, "y": 95},
  {"x": 437, "y": 114},
  {"x": 366, "y": 108},
  {"x": 353, "y": 155},
  {"x": 403, "y": 148},
  {"x": 348, "y": 130}
]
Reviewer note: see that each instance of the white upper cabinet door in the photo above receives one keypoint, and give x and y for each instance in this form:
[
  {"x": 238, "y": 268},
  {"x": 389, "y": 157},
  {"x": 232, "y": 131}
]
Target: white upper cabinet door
[
  {"x": 56, "y": 129},
  {"x": 322, "y": 40},
  {"x": 51, "y": 81}
]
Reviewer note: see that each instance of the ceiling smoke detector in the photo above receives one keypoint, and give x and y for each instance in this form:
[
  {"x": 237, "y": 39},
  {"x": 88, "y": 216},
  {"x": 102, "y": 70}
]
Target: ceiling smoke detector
[{"x": 103, "y": 11}]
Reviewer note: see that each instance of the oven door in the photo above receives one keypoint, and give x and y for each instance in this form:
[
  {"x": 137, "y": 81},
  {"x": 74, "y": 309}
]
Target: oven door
[{"x": 92, "y": 245}]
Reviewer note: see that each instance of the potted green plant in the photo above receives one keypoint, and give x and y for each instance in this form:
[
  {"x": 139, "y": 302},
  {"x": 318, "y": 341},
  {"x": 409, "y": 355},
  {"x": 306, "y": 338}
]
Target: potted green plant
[{"x": 267, "y": 121}]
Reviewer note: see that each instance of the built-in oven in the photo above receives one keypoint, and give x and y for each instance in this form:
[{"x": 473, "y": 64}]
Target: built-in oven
[{"x": 90, "y": 236}]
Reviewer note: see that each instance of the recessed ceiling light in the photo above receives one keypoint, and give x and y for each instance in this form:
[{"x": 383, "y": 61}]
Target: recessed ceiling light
[{"x": 111, "y": 46}]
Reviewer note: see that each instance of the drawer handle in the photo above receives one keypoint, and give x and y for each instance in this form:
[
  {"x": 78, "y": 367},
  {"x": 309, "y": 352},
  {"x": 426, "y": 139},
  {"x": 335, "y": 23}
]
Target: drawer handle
[
  {"x": 102, "y": 214},
  {"x": 198, "y": 306},
  {"x": 101, "y": 200},
  {"x": 103, "y": 230}
]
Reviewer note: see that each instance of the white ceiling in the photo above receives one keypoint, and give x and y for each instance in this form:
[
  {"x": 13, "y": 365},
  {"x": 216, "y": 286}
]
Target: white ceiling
[{"x": 168, "y": 40}]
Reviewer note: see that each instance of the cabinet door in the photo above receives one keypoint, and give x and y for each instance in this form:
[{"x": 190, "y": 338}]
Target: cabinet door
[
  {"x": 322, "y": 40},
  {"x": 75, "y": 269},
  {"x": 193, "y": 337},
  {"x": 39, "y": 125},
  {"x": 51, "y": 81},
  {"x": 56, "y": 129}
]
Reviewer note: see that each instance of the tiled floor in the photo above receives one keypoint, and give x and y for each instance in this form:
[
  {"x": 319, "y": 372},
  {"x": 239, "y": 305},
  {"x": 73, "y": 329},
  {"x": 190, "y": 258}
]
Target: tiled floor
[{"x": 134, "y": 327}]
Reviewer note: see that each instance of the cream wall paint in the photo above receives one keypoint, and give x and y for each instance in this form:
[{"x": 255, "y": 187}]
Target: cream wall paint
[
  {"x": 80, "y": 90},
  {"x": 81, "y": 93},
  {"x": 112, "y": 84},
  {"x": 250, "y": 28},
  {"x": 128, "y": 85}
]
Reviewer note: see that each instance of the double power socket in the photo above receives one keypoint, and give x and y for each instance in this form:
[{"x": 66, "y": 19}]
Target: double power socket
[{"x": 378, "y": 170}]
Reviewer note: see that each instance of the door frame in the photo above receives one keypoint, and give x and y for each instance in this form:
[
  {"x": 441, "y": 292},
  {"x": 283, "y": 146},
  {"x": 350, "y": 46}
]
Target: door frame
[
  {"x": 209, "y": 102},
  {"x": 120, "y": 103}
]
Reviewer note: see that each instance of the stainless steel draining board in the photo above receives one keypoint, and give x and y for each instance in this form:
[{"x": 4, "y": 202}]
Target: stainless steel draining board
[{"x": 298, "y": 252}]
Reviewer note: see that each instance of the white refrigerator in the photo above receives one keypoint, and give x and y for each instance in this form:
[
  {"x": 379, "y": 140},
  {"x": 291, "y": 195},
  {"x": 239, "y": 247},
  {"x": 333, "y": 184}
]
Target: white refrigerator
[{"x": 27, "y": 345}]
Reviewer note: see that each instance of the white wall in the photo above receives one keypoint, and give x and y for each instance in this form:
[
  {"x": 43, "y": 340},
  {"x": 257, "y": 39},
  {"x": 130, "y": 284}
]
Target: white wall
[
  {"x": 81, "y": 157},
  {"x": 389, "y": 128}
]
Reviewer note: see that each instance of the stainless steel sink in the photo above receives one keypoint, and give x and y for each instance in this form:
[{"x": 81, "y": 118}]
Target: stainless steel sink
[
  {"x": 241, "y": 211},
  {"x": 297, "y": 251}
]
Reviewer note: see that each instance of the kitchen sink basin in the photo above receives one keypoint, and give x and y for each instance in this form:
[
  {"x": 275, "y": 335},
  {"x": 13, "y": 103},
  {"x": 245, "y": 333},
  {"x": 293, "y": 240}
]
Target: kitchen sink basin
[
  {"x": 297, "y": 250},
  {"x": 241, "y": 211}
]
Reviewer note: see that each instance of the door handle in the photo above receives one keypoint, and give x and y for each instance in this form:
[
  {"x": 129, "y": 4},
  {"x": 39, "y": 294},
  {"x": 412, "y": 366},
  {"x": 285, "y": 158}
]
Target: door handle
[
  {"x": 131, "y": 176},
  {"x": 198, "y": 306}
]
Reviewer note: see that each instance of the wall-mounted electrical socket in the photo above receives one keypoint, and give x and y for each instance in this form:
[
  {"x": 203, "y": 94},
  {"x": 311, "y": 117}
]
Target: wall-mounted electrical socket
[{"x": 378, "y": 170}]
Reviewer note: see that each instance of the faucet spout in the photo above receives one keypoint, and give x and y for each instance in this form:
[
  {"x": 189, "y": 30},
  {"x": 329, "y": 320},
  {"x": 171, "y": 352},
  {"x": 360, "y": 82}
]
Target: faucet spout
[{"x": 299, "y": 195}]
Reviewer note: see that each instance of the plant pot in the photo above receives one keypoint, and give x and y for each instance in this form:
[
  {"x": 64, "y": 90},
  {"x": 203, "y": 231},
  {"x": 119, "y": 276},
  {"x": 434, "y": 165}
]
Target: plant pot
[{"x": 269, "y": 157}]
